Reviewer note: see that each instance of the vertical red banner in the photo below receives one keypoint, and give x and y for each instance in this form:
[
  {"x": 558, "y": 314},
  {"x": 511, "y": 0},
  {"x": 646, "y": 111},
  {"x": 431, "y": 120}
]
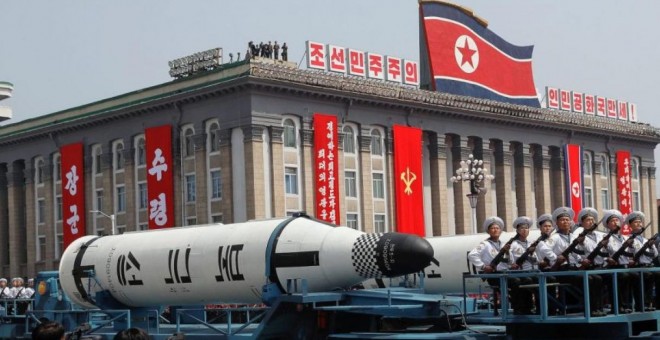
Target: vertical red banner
[
  {"x": 623, "y": 186},
  {"x": 73, "y": 192},
  {"x": 574, "y": 177},
  {"x": 327, "y": 165},
  {"x": 408, "y": 180},
  {"x": 160, "y": 176}
]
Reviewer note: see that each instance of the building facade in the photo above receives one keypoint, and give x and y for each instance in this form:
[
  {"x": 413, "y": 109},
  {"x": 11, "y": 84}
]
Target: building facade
[{"x": 243, "y": 147}]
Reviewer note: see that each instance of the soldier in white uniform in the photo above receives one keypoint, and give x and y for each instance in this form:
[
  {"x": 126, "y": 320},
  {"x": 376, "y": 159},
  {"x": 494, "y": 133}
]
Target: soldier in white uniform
[
  {"x": 522, "y": 299},
  {"x": 30, "y": 289},
  {"x": 588, "y": 219},
  {"x": 612, "y": 219},
  {"x": 482, "y": 256},
  {"x": 5, "y": 292},
  {"x": 645, "y": 259}
]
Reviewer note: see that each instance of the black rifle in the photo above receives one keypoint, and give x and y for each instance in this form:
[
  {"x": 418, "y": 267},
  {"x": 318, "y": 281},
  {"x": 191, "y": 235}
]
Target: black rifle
[
  {"x": 528, "y": 251},
  {"x": 571, "y": 247},
  {"x": 645, "y": 247},
  {"x": 600, "y": 245},
  {"x": 627, "y": 243},
  {"x": 500, "y": 256}
]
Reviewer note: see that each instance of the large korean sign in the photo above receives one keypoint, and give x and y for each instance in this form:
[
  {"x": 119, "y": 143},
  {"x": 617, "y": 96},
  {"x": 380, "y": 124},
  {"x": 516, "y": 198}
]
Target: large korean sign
[
  {"x": 327, "y": 167},
  {"x": 73, "y": 192},
  {"x": 623, "y": 186},
  {"x": 338, "y": 59},
  {"x": 160, "y": 178},
  {"x": 572, "y": 101}
]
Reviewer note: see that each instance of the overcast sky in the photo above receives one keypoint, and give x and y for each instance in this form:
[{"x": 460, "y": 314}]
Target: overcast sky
[{"x": 62, "y": 54}]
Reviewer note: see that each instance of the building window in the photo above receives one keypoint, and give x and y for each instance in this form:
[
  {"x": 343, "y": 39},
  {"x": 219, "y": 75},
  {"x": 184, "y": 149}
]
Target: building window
[
  {"x": 379, "y": 223},
  {"x": 41, "y": 210},
  {"x": 120, "y": 229},
  {"x": 191, "y": 188},
  {"x": 188, "y": 143},
  {"x": 214, "y": 137},
  {"x": 142, "y": 190},
  {"x": 41, "y": 247},
  {"x": 605, "y": 198},
  {"x": 376, "y": 143},
  {"x": 289, "y": 133},
  {"x": 57, "y": 168},
  {"x": 635, "y": 200},
  {"x": 217, "y": 218},
  {"x": 349, "y": 140},
  {"x": 378, "y": 187},
  {"x": 96, "y": 152},
  {"x": 58, "y": 209},
  {"x": 350, "y": 184},
  {"x": 352, "y": 221},
  {"x": 39, "y": 171},
  {"x": 588, "y": 197},
  {"x": 119, "y": 156},
  {"x": 191, "y": 221},
  {"x": 140, "y": 152},
  {"x": 604, "y": 166},
  {"x": 121, "y": 199},
  {"x": 291, "y": 180},
  {"x": 143, "y": 226},
  {"x": 216, "y": 184},
  {"x": 59, "y": 245},
  {"x": 99, "y": 200},
  {"x": 586, "y": 164},
  {"x": 634, "y": 168}
]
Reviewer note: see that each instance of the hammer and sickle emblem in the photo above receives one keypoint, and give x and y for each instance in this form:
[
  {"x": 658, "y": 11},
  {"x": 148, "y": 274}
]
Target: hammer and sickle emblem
[{"x": 408, "y": 178}]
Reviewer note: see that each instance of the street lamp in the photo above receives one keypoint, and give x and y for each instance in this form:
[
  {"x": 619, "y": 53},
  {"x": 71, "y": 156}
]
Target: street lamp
[
  {"x": 111, "y": 217},
  {"x": 473, "y": 171}
]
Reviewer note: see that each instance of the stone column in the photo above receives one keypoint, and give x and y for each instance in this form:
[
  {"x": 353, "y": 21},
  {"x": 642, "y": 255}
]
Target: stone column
[
  {"x": 49, "y": 220},
  {"x": 277, "y": 147},
  {"x": 653, "y": 209},
  {"x": 201, "y": 177},
  {"x": 130, "y": 186},
  {"x": 504, "y": 165},
  {"x": 487, "y": 198},
  {"x": 614, "y": 189},
  {"x": 438, "y": 164},
  {"x": 541, "y": 161},
  {"x": 390, "y": 177},
  {"x": 557, "y": 184},
  {"x": 524, "y": 187},
  {"x": 4, "y": 219},
  {"x": 478, "y": 153},
  {"x": 254, "y": 169},
  {"x": 366, "y": 192},
  {"x": 463, "y": 212},
  {"x": 178, "y": 174},
  {"x": 307, "y": 171},
  {"x": 16, "y": 207},
  {"x": 104, "y": 224},
  {"x": 226, "y": 175},
  {"x": 30, "y": 227}
]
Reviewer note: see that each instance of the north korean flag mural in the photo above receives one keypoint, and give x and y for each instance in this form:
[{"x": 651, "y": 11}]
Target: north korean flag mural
[
  {"x": 160, "y": 176},
  {"x": 73, "y": 192},
  {"x": 574, "y": 177},
  {"x": 623, "y": 186},
  {"x": 408, "y": 180},
  {"x": 466, "y": 58}
]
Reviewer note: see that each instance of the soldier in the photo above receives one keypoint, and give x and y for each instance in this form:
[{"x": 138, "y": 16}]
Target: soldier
[
  {"x": 644, "y": 259},
  {"x": 588, "y": 220},
  {"x": 482, "y": 256},
  {"x": 5, "y": 292},
  {"x": 521, "y": 299},
  {"x": 557, "y": 244},
  {"x": 612, "y": 219},
  {"x": 285, "y": 52},
  {"x": 30, "y": 289},
  {"x": 276, "y": 49}
]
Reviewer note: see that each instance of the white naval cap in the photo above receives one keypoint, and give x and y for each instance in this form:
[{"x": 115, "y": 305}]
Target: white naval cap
[
  {"x": 493, "y": 220},
  {"x": 543, "y": 218},
  {"x": 562, "y": 212},
  {"x": 609, "y": 214},
  {"x": 584, "y": 213},
  {"x": 522, "y": 220}
]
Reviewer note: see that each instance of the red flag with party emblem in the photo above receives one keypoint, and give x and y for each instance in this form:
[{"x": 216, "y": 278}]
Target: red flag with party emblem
[{"x": 408, "y": 180}]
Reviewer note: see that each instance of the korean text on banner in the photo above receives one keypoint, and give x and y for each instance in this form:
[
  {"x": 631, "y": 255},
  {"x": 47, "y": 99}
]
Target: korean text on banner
[
  {"x": 574, "y": 176},
  {"x": 466, "y": 58},
  {"x": 408, "y": 180},
  {"x": 160, "y": 178},
  {"x": 73, "y": 192},
  {"x": 623, "y": 186},
  {"x": 327, "y": 167}
]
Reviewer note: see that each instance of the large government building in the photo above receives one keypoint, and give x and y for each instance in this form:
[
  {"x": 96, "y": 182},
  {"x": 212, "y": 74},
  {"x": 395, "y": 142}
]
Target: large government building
[{"x": 243, "y": 149}]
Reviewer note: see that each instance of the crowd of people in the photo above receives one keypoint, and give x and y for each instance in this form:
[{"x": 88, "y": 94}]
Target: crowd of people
[
  {"x": 565, "y": 245},
  {"x": 18, "y": 290},
  {"x": 52, "y": 330},
  {"x": 267, "y": 50}
]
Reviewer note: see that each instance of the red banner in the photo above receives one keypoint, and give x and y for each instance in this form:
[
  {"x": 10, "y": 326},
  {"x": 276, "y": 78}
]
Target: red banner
[
  {"x": 408, "y": 180},
  {"x": 327, "y": 166},
  {"x": 623, "y": 186},
  {"x": 73, "y": 192},
  {"x": 160, "y": 178},
  {"x": 574, "y": 180}
]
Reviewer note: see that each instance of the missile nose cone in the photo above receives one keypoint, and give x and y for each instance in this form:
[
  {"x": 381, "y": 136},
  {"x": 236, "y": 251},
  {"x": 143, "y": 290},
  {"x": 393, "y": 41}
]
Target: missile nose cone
[{"x": 390, "y": 254}]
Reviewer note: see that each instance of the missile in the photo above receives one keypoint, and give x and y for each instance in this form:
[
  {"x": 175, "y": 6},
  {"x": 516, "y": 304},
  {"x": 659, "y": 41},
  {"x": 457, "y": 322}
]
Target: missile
[
  {"x": 231, "y": 263},
  {"x": 444, "y": 275}
]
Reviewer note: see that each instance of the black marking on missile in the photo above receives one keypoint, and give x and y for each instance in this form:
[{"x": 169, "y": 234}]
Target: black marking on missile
[
  {"x": 433, "y": 274},
  {"x": 380, "y": 283},
  {"x": 296, "y": 259},
  {"x": 364, "y": 256},
  {"x": 79, "y": 272},
  {"x": 123, "y": 267},
  {"x": 228, "y": 263},
  {"x": 270, "y": 252},
  {"x": 173, "y": 266}
]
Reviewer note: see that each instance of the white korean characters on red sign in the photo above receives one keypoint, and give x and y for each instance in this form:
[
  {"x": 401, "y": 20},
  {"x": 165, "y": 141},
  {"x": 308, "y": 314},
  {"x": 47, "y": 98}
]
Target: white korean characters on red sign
[
  {"x": 611, "y": 108},
  {"x": 326, "y": 172},
  {"x": 601, "y": 108},
  {"x": 358, "y": 63}
]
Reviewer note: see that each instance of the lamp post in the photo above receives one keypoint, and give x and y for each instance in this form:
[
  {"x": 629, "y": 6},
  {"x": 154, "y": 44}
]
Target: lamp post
[
  {"x": 473, "y": 171},
  {"x": 111, "y": 217}
]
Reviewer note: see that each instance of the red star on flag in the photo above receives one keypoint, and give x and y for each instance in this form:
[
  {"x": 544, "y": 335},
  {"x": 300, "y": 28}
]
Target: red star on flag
[{"x": 467, "y": 53}]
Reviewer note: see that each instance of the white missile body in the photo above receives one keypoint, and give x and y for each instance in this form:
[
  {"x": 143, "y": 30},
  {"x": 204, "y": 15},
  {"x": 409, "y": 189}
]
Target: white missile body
[
  {"x": 230, "y": 263},
  {"x": 446, "y": 275}
]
